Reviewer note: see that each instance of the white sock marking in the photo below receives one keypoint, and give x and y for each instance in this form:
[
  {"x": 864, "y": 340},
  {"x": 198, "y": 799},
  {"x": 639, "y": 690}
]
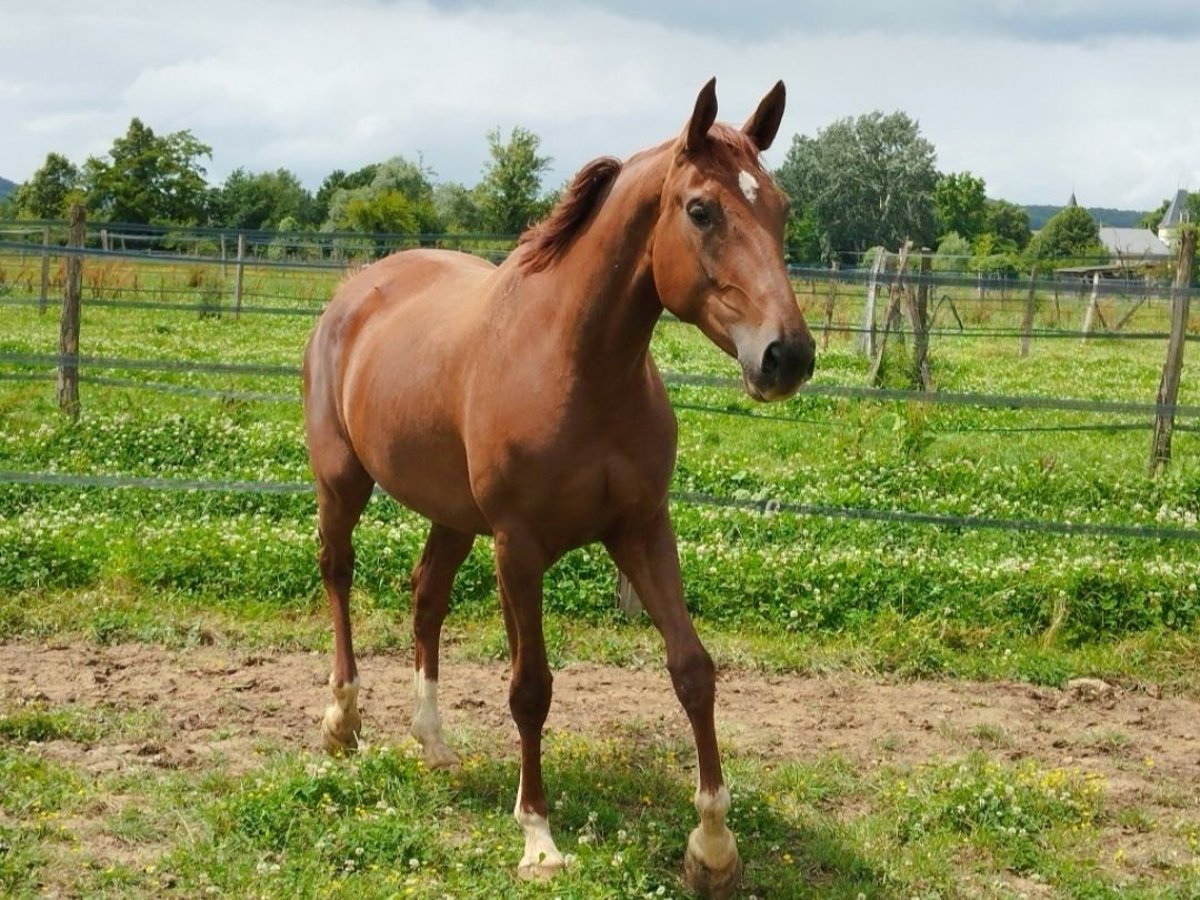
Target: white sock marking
[
  {"x": 541, "y": 858},
  {"x": 712, "y": 843}
]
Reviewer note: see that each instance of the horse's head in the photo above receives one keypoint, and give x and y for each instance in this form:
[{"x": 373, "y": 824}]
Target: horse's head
[{"x": 718, "y": 247}]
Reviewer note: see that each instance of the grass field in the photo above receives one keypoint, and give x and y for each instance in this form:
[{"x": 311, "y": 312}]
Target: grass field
[{"x": 783, "y": 593}]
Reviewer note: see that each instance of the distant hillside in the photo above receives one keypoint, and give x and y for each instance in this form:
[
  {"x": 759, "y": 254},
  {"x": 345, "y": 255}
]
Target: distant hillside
[
  {"x": 1113, "y": 218},
  {"x": 6, "y": 187}
]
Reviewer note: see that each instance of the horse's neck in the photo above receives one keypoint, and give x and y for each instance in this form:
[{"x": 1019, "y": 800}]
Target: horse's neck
[{"x": 606, "y": 277}]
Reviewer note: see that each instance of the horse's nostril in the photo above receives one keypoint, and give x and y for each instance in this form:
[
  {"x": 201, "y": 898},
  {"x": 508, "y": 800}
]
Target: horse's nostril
[{"x": 773, "y": 358}]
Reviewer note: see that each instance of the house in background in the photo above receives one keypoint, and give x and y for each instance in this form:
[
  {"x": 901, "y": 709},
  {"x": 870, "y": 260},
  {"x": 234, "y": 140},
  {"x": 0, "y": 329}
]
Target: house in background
[
  {"x": 1134, "y": 245},
  {"x": 1174, "y": 218}
]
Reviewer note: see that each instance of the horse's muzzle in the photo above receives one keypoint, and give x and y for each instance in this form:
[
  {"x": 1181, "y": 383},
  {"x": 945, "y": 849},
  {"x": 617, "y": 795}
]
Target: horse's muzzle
[{"x": 786, "y": 364}]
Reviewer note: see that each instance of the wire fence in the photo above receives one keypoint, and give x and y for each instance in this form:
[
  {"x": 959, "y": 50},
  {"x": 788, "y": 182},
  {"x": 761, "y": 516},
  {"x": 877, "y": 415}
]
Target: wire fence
[
  {"x": 208, "y": 293},
  {"x": 764, "y": 506}
]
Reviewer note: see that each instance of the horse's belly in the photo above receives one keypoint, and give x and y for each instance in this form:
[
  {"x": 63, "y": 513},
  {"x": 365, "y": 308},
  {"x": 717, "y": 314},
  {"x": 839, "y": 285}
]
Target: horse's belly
[{"x": 429, "y": 479}]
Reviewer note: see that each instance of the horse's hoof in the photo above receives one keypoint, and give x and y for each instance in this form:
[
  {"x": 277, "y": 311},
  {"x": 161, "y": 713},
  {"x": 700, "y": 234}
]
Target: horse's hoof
[
  {"x": 439, "y": 756},
  {"x": 542, "y": 870},
  {"x": 339, "y": 731},
  {"x": 712, "y": 884}
]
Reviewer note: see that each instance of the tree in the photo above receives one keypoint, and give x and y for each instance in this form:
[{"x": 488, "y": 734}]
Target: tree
[
  {"x": 457, "y": 207},
  {"x": 509, "y": 194},
  {"x": 147, "y": 178},
  {"x": 50, "y": 191},
  {"x": 953, "y": 253},
  {"x": 399, "y": 198},
  {"x": 868, "y": 181},
  {"x": 1070, "y": 235},
  {"x": 960, "y": 204},
  {"x": 1151, "y": 219},
  {"x": 334, "y": 181},
  {"x": 259, "y": 200},
  {"x": 802, "y": 238},
  {"x": 1008, "y": 222}
]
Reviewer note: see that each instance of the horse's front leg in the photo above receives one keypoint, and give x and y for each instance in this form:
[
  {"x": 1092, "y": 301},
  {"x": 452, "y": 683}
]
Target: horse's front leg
[
  {"x": 650, "y": 560},
  {"x": 520, "y": 567}
]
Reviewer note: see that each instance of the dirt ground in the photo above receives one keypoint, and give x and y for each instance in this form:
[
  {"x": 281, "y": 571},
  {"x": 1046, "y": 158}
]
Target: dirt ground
[{"x": 228, "y": 706}]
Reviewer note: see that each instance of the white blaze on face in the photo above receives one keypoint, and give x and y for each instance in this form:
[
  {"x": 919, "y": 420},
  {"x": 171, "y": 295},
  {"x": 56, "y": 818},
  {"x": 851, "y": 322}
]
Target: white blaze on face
[{"x": 749, "y": 185}]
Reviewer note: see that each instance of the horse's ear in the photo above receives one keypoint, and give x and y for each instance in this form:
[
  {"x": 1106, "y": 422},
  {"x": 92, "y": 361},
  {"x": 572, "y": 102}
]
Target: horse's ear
[
  {"x": 703, "y": 117},
  {"x": 764, "y": 124}
]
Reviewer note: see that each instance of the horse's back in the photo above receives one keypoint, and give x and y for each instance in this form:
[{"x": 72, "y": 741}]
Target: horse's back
[{"x": 408, "y": 275}]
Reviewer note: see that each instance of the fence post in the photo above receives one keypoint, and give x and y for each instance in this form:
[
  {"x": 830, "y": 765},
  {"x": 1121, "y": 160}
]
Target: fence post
[
  {"x": 224, "y": 259},
  {"x": 627, "y": 598},
  {"x": 68, "y": 326},
  {"x": 1030, "y": 310},
  {"x": 104, "y": 239},
  {"x": 241, "y": 268},
  {"x": 44, "y": 299},
  {"x": 1093, "y": 303},
  {"x": 918, "y": 313},
  {"x": 1168, "y": 386},
  {"x": 829, "y": 302},
  {"x": 889, "y": 319},
  {"x": 867, "y": 341}
]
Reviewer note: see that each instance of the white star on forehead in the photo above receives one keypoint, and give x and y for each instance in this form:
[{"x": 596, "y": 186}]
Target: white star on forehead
[{"x": 749, "y": 185}]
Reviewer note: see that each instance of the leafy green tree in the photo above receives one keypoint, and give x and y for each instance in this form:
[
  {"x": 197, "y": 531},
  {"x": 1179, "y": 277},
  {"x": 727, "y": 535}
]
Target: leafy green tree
[
  {"x": 994, "y": 255},
  {"x": 1193, "y": 207},
  {"x": 1008, "y": 222},
  {"x": 259, "y": 200},
  {"x": 509, "y": 194},
  {"x": 457, "y": 207},
  {"x": 335, "y": 181},
  {"x": 868, "y": 181},
  {"x": 147, "y": 178},
  {"x": 1069, "y": 236},
  {"x": 50, "y": 191},
  {"x": 953, "y": 253},
  {"x": 802, "y": 238},
  {"x": 399, "y": 198},
  {"x": 1151, "y": 219},
  {"x": 960, "y": 204}
]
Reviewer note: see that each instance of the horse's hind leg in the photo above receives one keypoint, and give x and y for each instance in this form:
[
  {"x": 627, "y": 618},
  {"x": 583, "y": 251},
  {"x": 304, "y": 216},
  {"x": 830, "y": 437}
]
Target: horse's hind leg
[
  {"x": 343, "y": 490},
  {"x": 432, "y": 579}
]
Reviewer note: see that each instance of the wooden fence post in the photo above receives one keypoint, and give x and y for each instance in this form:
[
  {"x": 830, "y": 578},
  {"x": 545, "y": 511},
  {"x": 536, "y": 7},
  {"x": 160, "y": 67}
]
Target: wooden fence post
[
  {"x": 1168, "y": 386},
  {"x": 918, "y": 314},
  {"x": 829, "y": 303},
  {"x": 44, "y": 299},
  {"x": 867, "y": 340},
  {"x": 1093, "y": 306},
  {"x": 627, "y": 598},
  {"x": 68, "y": 327},
  {"x": 1030, "y": 310},
  {"x": 241, "y": 269},
  {"x": 889, "y": 319}
]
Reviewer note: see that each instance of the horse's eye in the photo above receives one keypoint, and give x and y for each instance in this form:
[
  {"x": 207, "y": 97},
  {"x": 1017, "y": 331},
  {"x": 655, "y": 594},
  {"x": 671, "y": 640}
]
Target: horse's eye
[{"x": 698, "y": 213}]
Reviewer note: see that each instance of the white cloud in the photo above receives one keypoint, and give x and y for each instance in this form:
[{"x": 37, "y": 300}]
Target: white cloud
[{"x": 1037, "y": 98}]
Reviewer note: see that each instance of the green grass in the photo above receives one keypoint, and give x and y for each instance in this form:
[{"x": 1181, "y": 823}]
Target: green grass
[
  {"x": 781, "y": 593},
  {"x": 379, "y": 825}
]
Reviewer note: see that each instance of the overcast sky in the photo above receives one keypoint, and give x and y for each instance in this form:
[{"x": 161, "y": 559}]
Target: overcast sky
[{"x": 1038, "y": 97}]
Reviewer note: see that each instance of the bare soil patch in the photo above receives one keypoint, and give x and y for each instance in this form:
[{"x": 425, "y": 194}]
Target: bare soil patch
[{"x": 216, "y": 707}]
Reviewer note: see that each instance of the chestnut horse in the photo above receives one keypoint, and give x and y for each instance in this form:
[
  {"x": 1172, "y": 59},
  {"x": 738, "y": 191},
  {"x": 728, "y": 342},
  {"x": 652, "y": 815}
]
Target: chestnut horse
[{"x": 521, "y": 402}]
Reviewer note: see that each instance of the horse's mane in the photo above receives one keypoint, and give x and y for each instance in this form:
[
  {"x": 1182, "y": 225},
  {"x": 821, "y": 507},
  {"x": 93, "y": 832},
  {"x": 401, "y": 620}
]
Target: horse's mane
[{"x": 546, "y": 241}]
